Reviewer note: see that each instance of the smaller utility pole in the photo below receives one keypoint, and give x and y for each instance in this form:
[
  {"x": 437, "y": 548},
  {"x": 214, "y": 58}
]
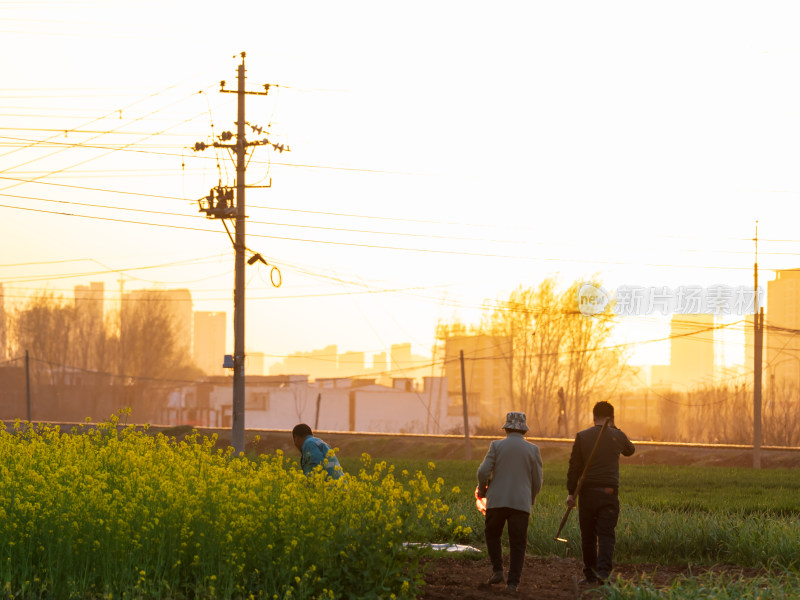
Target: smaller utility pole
[
  {"x": 467, "y": 451},
  {"x": 28, "y": 386},
  {"x": 758, "y": 324}
]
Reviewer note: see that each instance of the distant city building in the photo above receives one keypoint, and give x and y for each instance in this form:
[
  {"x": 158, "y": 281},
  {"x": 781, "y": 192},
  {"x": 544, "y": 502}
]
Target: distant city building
[
  {"x": 782, "y": 320},
  {"x": 487, "y": 374},
  {"x": 89, "y": 301},
  {"x": 692, "y": 349},
  {"x": 210, "y": 335},
  {"x": 179, "y": 303},
  {"x": 351, "y": 364},
  {"x": 401, "y": 357},
  {"x": 404, "y": 363},
  {"x": 691, "y": 353},
  {"x": 3, "y": 335},
  {"x": 328, "y": 363},
  {"x": 316, "y": 364},
  {"x": 380, "y": 363},
  {"x": 254, "y": 363}
]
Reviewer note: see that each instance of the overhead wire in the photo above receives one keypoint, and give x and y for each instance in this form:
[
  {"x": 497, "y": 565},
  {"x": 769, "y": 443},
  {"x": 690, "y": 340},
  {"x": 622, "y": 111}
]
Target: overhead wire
[
  {"x": 386, "y": 247},
  {"x": 108, "y": 115},
  {"x": 107, "y": 269},
  {"x": 52, "y": 172}
]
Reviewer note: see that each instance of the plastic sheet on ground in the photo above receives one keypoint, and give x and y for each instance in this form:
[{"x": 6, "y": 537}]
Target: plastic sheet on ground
[{"x": 441, "y": 547}]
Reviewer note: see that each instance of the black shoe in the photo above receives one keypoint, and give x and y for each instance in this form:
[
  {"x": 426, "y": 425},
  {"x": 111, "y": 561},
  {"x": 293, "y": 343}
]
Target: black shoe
[
  {"x": 511, "y": 587},
  {"x": 497, "y": 577},
  {"x": 588, "y": 581}
]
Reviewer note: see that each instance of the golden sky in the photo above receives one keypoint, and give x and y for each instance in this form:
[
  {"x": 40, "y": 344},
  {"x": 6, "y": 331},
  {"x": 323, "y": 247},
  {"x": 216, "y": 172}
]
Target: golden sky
[{"x": 442, "y": 153}]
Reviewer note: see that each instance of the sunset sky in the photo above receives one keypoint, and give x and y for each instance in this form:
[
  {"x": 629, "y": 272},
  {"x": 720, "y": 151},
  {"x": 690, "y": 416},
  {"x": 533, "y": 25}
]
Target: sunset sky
[{"x": 442, "y": 154}]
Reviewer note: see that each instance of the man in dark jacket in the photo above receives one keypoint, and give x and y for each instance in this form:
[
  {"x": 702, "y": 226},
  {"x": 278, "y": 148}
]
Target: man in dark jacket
[{"x": 598, "y": 499}]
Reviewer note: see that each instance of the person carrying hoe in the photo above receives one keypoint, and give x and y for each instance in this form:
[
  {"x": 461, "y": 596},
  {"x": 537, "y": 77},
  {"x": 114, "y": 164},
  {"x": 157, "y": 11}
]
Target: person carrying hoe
[{"x": 598, "y": 498}]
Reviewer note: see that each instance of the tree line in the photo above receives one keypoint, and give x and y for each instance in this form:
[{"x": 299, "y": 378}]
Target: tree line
[
  {"x": 111, "y": 359},
  {"x": 559, "y": 360}
]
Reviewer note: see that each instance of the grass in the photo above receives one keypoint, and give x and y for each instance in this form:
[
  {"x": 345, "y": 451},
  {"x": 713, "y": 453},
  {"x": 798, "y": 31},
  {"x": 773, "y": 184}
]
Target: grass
[
  {"x": 669, "y": 514},
  {"x": 709, "y": 586}
]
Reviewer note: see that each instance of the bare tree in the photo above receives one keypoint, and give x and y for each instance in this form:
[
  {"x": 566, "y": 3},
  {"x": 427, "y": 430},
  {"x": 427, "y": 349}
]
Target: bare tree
[
  {"x": 781, "y": 417},
  {"x": 45, "y": 327},
  {"x": 591, "y": 367},
  {"x": 561, "y": 359},
  {"x": 532, "y": 319},
  {"x": 151, "y": 357}
]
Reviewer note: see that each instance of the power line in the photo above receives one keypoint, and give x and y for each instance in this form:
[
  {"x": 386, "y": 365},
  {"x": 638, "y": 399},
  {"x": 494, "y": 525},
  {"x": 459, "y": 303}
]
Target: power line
[
  {"x": 114, "y": 112},
  {"x": 109, "y": 270},
  {"x": 386, "y": 247},
  {"x": 274, "y": 224},
  {"x": 96, "y": 157},
  {"x": 81, "y": 131}
]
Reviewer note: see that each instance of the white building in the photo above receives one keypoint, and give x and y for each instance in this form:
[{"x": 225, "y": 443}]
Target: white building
[{"x": 283, "y": 401}]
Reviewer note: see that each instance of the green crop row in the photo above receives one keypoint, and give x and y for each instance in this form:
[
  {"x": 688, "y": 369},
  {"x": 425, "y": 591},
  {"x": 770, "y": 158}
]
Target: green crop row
[
  {"x": 669, "y": 515},
  {"x": 709, "y": 586}
]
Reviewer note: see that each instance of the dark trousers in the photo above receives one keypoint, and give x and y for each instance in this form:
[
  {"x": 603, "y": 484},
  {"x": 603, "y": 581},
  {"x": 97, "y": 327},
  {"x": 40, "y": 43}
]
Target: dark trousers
[
  {"x": 598, "y": 513},
  {"x": 517, "y": 520}
]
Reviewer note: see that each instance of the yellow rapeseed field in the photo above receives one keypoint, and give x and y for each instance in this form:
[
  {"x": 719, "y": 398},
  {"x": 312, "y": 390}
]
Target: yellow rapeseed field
[{"x": 115, "y": 512}]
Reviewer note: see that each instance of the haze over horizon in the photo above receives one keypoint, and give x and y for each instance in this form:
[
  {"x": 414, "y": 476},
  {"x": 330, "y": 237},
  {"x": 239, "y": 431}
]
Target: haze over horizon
[{"x": 441, "y": 156}]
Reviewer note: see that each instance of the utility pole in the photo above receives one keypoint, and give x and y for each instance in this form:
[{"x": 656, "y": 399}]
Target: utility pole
[
  {"x": 28, "y": 385},
  {"x": 758, "y": 332},
  {"x": 219, "y": 205},
  {"x": 467, "y": 450}
]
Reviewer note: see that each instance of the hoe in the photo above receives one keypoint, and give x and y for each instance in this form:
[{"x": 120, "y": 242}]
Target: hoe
[{"x": 580, "y": 482}]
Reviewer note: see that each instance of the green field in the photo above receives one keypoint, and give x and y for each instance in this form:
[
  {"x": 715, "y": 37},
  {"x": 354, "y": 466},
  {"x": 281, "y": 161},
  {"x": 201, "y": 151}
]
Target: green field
[
  {"x": 669, "y": 515},
  {"x": 672, "y": 516},
  {"x": 115, "y": 512}
]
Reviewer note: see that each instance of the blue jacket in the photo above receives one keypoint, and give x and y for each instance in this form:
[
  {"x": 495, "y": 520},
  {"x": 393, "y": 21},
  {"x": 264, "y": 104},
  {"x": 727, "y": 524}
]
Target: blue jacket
[{"x": 315, "y": 452}]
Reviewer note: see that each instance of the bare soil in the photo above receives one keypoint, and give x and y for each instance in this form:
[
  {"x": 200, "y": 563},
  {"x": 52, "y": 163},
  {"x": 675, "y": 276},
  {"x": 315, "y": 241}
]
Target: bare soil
[{"x": 543, "y": 578}]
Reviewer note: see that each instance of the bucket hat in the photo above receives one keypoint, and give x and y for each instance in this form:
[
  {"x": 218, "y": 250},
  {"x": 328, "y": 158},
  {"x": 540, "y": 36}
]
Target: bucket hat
[{"x": 516, "y": 420}]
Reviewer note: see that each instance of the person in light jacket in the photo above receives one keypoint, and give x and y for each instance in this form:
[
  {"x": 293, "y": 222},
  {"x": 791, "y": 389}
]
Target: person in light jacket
[{"x": 510, "y": 477}]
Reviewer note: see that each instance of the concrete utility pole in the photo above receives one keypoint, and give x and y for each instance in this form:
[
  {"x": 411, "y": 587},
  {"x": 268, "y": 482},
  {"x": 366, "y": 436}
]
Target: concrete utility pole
[
  {"x": 758, "y": 332},
  {"x": 219, "y": 205},
  {"x": 237, "y": 426},
  {"x": 467, "y": 449},
  {"x": 28, "y": 386}
]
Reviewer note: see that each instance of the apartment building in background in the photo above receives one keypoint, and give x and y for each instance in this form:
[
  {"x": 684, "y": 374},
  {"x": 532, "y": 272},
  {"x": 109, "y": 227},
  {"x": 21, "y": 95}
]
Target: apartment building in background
[
  {"x": 782, "y": 329},
  {"x": 487, "y": 375},
  {"x": 210, "y": 336}
]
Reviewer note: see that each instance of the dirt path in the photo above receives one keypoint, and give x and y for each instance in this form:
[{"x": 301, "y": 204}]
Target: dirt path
[{"x": 543, "y": 578}]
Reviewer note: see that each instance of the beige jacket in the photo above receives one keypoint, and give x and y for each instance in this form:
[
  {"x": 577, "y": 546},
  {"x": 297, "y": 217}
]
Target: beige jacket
[{"x": 513, "y": 471}]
